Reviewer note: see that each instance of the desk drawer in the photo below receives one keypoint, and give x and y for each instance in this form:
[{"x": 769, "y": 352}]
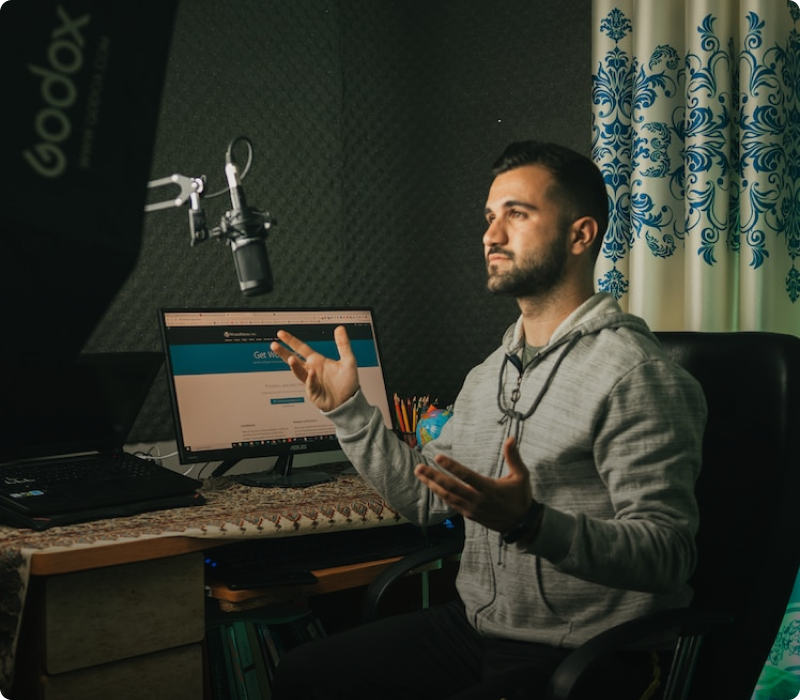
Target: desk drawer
[
  {"x": 175, "y": 674},
  {"x": 118, "y": 612}
]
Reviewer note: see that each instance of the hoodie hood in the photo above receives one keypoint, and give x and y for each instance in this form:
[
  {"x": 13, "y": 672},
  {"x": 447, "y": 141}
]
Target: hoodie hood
[{"x": 599, "y": 312}]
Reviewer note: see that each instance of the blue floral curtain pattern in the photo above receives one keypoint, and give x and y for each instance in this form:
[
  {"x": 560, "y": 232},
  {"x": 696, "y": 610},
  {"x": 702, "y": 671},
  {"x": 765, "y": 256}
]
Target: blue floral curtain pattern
[
  {"x": 696, "y": 127},
  {"x": 780, "y": 679}
]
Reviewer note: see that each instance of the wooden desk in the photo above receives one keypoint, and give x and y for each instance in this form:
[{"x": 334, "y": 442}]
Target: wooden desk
[
  {"x": 114, "y": 608},
  {"x": 338, "y": 578}
]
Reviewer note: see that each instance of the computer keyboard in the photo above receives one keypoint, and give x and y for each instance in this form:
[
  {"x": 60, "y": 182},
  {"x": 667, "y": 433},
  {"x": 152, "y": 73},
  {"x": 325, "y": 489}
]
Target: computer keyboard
[{"x": 283, "y": 560}]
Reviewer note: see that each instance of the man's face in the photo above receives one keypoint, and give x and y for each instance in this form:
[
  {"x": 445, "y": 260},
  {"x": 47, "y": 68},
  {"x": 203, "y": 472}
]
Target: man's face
[{"x": 525, "y": 243}]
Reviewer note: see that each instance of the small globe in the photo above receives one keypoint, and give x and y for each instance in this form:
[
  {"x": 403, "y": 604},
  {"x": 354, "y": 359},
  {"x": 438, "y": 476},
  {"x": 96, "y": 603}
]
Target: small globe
[{"x": 431, "y": 424}]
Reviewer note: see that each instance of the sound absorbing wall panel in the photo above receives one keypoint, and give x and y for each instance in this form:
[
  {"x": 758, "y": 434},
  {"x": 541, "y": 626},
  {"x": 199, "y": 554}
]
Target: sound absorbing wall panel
[{"x": 375, "y": 123}]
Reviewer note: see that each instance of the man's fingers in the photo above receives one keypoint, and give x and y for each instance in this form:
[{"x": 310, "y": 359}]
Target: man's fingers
[
  {"x": 511, "y": 453},
  {"x": 343, "y": 343},
  {"x": 298, "y": 367},
  {"x": 299, "y": 348},
  {"x": 460, "y": 472},
  {"x": 295, "y": 363},
  {"x": 446, "y": 479}
]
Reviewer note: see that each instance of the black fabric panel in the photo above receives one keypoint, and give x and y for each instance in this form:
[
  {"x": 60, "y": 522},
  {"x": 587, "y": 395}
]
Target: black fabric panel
[{"x": 375, "y": 123}]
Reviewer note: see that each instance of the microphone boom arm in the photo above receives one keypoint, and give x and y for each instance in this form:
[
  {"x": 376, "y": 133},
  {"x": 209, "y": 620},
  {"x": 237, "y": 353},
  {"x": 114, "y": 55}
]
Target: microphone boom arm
[
  {"x": 244, "y": 228},
  {"x": 191, "y": 189}
]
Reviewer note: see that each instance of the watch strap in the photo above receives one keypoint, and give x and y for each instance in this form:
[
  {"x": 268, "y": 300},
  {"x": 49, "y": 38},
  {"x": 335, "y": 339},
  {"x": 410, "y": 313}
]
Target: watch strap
[{"x": 526, "y": 525}]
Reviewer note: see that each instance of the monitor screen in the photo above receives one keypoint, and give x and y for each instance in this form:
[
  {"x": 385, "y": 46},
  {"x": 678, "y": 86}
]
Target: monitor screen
[{"x": 233, "y": 398}]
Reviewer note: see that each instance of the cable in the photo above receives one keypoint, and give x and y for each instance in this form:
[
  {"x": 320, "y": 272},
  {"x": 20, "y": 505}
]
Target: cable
[
  {"x": 229, "y": 159},
  {"x": 157, "y": 458},
  {"x": 202, "y": 469},
  {"x": 154, "y": 457}
]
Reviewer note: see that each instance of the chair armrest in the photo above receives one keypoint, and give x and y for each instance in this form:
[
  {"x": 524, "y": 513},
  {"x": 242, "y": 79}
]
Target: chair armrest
[
  {"x": 687, "y": 622},
  {"x": 381, "y": 583}
]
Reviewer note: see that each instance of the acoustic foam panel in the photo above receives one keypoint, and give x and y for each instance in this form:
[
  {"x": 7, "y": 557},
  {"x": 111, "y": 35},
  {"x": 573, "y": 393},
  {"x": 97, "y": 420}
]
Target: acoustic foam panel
[{"x": 375, "y": 123}]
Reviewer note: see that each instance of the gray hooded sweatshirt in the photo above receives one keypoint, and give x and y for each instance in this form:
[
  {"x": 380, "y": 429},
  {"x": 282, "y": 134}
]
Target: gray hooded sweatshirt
[{"x": 611, "y": 431}]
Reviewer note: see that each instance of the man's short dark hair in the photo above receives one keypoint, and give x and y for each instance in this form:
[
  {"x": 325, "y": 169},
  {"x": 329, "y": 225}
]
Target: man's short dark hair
[{"x": 578, "y": 181}]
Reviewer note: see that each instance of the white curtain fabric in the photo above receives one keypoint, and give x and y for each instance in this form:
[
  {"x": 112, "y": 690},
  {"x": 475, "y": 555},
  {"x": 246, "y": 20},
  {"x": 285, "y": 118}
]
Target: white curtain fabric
[{"x": 696, "y": 127}]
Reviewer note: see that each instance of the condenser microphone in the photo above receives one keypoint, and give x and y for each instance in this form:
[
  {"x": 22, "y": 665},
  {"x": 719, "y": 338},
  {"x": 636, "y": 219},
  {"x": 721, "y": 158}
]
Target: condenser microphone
[{"x": 246, "y": 230}]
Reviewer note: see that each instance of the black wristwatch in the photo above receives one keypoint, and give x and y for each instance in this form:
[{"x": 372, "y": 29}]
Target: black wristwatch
[{"x": 526, "y": 524}]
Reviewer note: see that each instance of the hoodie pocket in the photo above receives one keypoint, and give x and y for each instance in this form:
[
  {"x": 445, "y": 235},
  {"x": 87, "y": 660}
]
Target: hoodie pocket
[
  {"x": 507, "y": 600},
  {"x": 577, "y": 602}
]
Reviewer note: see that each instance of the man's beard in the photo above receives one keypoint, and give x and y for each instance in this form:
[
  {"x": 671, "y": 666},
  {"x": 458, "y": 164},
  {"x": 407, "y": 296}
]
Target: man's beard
[{"x": 532, "y": 276}]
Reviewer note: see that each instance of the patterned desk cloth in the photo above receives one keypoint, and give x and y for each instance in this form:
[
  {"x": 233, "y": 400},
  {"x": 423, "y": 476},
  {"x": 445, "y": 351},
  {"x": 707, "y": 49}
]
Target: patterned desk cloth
[{"x": 231, "y": 510}]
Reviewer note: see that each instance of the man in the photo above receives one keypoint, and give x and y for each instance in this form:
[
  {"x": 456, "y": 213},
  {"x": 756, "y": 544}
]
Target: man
[{"x": 572, "y": 454}]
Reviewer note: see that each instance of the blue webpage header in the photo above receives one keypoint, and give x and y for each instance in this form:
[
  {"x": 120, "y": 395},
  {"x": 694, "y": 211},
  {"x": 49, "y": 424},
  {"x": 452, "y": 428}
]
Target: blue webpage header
[{"x": 226, "y": 358}]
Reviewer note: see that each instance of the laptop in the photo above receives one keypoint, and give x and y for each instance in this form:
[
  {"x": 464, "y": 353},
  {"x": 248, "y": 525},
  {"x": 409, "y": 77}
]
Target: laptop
[{"x": 61, "y": 455}]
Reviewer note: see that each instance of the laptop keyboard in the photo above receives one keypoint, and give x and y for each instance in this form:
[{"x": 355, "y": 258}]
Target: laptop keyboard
[{"x": 79, "y": 469}]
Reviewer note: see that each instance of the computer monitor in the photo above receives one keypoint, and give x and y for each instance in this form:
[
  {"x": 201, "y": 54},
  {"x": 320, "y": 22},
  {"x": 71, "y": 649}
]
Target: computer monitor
[{"x": 233, "y": 398}]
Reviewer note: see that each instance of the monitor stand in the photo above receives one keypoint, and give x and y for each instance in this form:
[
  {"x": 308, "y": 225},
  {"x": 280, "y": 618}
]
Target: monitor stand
[{"x": 281, "y": 476}]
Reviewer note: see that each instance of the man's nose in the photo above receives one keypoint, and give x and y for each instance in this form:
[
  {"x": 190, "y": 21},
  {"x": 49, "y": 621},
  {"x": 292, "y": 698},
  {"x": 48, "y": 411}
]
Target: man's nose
[{"x": 495, "y": 234}]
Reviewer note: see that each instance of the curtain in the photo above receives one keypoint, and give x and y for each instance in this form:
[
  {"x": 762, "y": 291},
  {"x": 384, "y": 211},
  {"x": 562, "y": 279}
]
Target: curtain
[
  {"x": 696, "y": 127},
  {"x": 780, "y": 679}
]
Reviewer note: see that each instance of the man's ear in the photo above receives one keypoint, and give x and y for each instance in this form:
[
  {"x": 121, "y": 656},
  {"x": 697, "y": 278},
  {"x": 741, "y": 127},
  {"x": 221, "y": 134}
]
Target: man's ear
[{"x": 584, "y": 233}]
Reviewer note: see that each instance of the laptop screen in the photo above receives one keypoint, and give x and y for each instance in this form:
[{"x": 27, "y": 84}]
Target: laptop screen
[
  {"x": 88, "y": 405},
  {"x": 234, "y": 398}
]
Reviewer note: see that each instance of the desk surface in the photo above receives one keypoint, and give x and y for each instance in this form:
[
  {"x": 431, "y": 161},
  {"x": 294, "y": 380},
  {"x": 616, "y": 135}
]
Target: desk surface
[{"x": 231, "y": 512}]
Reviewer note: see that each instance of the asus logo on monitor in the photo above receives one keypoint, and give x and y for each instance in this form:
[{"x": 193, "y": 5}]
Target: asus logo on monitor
[{"x": 298, "y": 448}]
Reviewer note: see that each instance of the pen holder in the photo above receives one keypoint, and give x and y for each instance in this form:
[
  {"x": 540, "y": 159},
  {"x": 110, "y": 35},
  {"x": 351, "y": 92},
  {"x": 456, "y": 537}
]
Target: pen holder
[{"x": 409, "y": 438}]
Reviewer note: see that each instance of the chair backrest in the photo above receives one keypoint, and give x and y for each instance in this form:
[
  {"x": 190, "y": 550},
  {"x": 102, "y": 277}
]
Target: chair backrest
[{"x": 749, "y": 497}]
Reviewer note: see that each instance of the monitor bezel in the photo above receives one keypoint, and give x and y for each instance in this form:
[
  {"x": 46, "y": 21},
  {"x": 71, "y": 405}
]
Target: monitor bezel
[{"x": 281, "y": 451}]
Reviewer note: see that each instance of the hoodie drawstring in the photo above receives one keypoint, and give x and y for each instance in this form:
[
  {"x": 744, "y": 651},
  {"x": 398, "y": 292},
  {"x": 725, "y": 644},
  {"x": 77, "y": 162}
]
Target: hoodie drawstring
[
  {"x": 511, "y": 412},
  {"x": 516, "y": 419}
]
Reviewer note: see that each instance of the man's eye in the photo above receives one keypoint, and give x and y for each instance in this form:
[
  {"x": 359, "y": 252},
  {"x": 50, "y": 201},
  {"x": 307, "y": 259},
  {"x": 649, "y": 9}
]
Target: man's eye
[{"x": 516, "y": 214}]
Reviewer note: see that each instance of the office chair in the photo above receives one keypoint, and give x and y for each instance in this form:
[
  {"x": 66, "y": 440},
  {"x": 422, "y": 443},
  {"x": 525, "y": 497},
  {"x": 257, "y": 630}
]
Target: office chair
[{"x": 748, "y": 541}]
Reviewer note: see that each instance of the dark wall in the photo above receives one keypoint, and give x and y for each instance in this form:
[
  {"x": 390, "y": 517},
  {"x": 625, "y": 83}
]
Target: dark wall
[{"x": 375, "y": 123}]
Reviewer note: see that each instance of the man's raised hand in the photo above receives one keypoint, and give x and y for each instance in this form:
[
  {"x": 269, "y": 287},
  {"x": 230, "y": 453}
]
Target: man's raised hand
[{"x": 329, "y": 383}]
